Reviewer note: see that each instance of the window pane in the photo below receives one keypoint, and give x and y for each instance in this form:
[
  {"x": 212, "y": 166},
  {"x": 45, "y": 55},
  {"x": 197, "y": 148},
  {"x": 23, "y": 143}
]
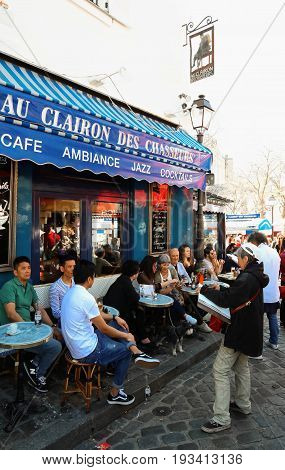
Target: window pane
[
  {"x": 211, "y": 228},
  {"x": 106, "y": 236},
  {"x": 59, "y": 234}
]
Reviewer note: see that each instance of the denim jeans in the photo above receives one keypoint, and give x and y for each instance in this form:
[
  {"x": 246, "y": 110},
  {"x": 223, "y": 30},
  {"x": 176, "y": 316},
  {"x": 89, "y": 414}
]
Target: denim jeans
[
  {"x": 228, "y": 360},
  {"x": 271, "y": 312},
  {"x": 46, "y": 355},
  {"x": 113, "y": 351}
]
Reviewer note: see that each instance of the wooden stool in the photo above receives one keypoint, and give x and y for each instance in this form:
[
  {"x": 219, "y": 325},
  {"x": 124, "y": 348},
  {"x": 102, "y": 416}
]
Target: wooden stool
[{"x": 86, "y": 387}]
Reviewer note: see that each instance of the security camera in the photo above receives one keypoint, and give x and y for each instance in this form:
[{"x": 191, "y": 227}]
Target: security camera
[{"x": 184, "y": 99}]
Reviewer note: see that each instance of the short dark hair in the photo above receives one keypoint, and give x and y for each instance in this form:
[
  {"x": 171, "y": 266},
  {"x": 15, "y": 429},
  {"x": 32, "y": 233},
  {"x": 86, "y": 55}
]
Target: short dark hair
[
  {"x": 208, "y": 249},
  {"x": 147, "y": 264},
  {"x": 258, "y": 238},
  {"x": 70, "y": 256},
  {"x": 19, "y": 260},
  {"x": 130, "y": 267},
  {"x": 83, "y": 270},
  {"x": 100, "y": 252}
]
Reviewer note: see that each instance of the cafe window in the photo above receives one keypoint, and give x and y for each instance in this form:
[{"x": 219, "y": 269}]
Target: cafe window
[
  {"x": 159, "y": 218},
  {"x": 211, "y": 228},
  {"x": 106, "y": 236},
  {"x": 8, "y": 191},
  {"x": 59, "y": 234}
]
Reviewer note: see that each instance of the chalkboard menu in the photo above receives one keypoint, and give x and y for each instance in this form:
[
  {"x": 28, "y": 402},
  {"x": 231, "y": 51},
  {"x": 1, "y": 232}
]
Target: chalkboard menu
[
  {"x": 159, "y": 218},
  {"x": 6, "y": 213}
]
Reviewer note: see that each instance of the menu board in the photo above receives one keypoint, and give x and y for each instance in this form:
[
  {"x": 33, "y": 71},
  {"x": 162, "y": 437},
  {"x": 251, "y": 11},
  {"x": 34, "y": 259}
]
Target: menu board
[
  {"x": 159, "y": 218},
  {"x": 6, "y": 198}
]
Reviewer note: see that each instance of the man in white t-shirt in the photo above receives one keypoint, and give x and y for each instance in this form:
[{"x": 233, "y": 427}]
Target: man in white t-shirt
[
  {"x": 271, "y": 263},
  {"x": 79, "y": 312}
]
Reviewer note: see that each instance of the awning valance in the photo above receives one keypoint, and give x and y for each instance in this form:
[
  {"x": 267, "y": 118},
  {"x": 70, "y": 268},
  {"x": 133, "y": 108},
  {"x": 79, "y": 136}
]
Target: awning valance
[{"x": 36, "y": 107}]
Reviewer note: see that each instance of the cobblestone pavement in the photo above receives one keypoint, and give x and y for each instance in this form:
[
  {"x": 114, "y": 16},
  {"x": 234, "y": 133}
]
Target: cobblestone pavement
[{"x": 172, "y": 418}]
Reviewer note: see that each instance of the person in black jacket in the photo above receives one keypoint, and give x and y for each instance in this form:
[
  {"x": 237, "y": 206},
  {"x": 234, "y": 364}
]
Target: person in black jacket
[
  {"x": 123, "y": 296},
  {"x": 243, "y": 337}
]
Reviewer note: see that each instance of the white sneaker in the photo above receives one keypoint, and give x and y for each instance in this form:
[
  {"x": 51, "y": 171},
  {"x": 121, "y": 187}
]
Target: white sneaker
[
  {"x": 257, "y": 358},
  {"x": 207, "y": 317},
  {"x": 271, "y": 345},
  {"x": 204, "y": 328}
]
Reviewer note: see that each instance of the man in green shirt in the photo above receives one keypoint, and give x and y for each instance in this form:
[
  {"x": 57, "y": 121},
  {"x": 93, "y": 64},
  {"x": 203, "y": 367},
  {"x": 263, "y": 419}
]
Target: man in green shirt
[{"x": 17, "y": 296}]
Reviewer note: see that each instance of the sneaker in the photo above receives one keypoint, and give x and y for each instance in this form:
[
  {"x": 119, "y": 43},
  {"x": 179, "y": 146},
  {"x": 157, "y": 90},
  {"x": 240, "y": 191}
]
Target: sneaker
[
  {"x": 271, "y": 345},
  {"x": 31, "y": 370},
  {"x": 256, "y": 358},
  {"x": 40, "y": 384},
  {"x": 204, "y": 328},
  {"x": 143, "y": 360},
  {"x": 207, "y": 317},
  {"x": 121, "y": 399},
  {"x": 211, "y": 426},
  {"x": 235, "y": 407}
]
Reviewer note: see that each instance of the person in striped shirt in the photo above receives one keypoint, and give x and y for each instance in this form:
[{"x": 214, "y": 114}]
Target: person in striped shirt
[{"x": 59, "y": 288}]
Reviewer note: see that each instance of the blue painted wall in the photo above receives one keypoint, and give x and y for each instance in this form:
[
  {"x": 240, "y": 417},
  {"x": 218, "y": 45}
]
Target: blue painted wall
[
  {"x": 24, "y": 215},
  {"x": 139, "y": 220},
  {"x": 181, "y": 217}
]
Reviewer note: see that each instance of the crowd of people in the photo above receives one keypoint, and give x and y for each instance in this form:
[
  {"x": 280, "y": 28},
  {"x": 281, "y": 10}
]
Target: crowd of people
[{"x": 93, "y": 335}]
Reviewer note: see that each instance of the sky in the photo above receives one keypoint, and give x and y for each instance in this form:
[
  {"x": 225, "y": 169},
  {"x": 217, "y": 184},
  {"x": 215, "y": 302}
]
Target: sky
[{"x": 249, "y": 97}]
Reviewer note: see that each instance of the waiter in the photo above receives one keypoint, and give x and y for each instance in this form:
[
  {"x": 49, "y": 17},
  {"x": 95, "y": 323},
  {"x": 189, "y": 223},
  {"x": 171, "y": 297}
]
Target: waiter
[{"x": 243, "y": 337}]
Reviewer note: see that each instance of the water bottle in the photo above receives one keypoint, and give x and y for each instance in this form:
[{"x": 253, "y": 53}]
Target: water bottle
[
  {"x": 147, "y": 392},
  {"x": 38, "y": 316},
  {"x": 141, "y": 291}
]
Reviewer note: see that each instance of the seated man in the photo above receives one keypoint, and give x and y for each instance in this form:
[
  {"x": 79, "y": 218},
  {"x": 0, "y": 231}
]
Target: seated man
[
  {"x": 189, "y": 306},
  {"x": 78, "y": 312},
  {"x": 100, "y": 262},
  {"x": 123, "y": 296},
  {"x": 17, "y": 296},
  {"x": 59, "y": 288}
]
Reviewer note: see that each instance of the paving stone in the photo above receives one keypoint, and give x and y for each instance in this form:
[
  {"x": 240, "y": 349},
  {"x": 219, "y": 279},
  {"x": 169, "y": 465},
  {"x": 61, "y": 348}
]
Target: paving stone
[
  {"x": 272, "y": 444},
  {"x": 188, "y": 446},
  {"x": 197, "y": 434},
  {"x": 249, "y": 437},
  {"x": 128, "y": 445},
  {"x": 206, "y": 444},
  {"x": 173, "y": 438},
  {"x": 118, "y": 437},
  {"x": 200, "y": 412},
  {"x": 152, "y": 430},
  {"x": 179, "y": 426},
  {"x": 243, "y": 425},
  {"x": 277, "y": 400},
  {"x": 226, "y": 443},
  {"x": 179, "y": 416},
  {"x": 147, "y": 442}
]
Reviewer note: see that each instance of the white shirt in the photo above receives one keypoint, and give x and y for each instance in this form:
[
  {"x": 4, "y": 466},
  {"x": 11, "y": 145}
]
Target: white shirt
[
  {"x": 77, "y": 309},
  {"x": 182, "y": 271},
  {"x": 271, "y": 262}
]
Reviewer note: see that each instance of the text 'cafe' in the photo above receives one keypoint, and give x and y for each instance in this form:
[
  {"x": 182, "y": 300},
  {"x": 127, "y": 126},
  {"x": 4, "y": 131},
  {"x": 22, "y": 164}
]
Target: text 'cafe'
[{"x": 79, "y": 171}]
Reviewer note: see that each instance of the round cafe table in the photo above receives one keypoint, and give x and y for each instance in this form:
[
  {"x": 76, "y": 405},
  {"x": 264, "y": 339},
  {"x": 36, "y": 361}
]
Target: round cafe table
[
  {"x": 27, "y": 336},
  {"x": 161, "y": 301}
]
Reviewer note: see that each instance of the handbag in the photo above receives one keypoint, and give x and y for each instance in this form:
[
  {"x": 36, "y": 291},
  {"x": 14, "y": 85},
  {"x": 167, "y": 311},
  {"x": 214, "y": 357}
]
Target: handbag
[{"x": 216, "y": 324}]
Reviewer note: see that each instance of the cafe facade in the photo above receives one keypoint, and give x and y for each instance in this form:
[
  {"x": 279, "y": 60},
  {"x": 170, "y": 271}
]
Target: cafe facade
[{"x": 79, "y": 170}]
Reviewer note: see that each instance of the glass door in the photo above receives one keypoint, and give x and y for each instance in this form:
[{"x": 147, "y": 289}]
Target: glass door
[{"x": 59, "y": 234}]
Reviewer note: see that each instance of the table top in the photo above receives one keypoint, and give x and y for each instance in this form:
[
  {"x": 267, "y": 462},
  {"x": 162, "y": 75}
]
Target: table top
[
  {"x": 160, "y": 302},
  {"x": 112, "y": 310},
  {"x": 191, "y": 291},
  {"x": 28, "y": 335}
]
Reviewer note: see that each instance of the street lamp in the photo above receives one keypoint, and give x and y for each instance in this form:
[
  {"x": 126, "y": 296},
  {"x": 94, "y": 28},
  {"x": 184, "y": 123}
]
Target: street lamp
[{"x": 201, "y": 113}]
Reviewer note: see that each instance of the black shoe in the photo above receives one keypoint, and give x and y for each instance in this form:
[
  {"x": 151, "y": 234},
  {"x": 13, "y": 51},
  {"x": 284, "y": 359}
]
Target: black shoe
[
  {"x": 39, "y": 384},
  {"x": 235, "y": 407},
  {"x": 31, "y": 370},
  {"x": 211, "y": 426},
  {"x": 148, "y": 362},
  {"x": 121, "y": 399}
]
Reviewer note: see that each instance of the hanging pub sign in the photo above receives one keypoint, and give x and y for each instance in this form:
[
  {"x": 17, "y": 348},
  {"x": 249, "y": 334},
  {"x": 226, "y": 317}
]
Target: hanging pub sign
[
  {"x": 7, "y": 210},
  {"x": 159, "y": 218},
  {"x": 201, "y": 41}
]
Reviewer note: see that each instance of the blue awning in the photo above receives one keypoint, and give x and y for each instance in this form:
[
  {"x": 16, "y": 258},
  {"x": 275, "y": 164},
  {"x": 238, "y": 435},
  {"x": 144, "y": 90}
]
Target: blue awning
[{"x": 47, "y": 105}]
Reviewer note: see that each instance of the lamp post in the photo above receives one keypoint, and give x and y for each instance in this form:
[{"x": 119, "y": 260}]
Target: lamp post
[{"x": 201, "y": 114}]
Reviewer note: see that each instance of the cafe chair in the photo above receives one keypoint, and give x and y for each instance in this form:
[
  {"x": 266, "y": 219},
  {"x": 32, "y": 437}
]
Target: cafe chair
[{"x": 83, "y": 380}]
